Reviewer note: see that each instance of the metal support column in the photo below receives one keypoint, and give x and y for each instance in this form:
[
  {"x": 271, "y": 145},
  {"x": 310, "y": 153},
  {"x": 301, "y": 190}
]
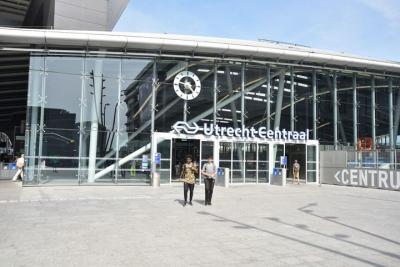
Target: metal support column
[
  {"x": 279, "y": 100},
  {"x": 391, "y": 137},
  {"x": 268, "y": 98},
  {"x": 153, "y": 148},
  {"x": 314, "y": 99},
  {"x": 355, "y": 108},
  {"x": 335, "y": 112},
  {"x": 292, "y": 99},
  {"x": 215, "y": 95},
  {"x": 242, "y": 106},
  {"x": 373, "y": 111}
]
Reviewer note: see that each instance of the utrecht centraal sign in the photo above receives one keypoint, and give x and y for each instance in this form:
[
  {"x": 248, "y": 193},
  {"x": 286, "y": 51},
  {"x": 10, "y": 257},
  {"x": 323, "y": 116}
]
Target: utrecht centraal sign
[
  {"x": 182, "y": 127},
  {"x": 375, "y": 178}
]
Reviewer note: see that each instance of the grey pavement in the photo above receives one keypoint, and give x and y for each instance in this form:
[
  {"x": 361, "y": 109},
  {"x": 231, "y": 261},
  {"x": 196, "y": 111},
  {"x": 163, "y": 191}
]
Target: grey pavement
[{"x": 248, "y": 225}]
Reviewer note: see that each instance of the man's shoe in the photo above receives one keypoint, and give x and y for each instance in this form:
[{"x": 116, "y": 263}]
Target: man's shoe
[
  {"x": 184, "y": 204},
  {"x": 190, "y": 203},
  {"x": 209, "y": 203}
]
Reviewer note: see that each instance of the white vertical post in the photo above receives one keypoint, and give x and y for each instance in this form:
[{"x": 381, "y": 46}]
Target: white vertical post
[
  {"x": 292, "y": 95},
  {"x": 153, "y": 148},
  {"x": 373, "y": 112},
  {"x": 95, "y": 117},
  {"x": 314, "y": 99}
]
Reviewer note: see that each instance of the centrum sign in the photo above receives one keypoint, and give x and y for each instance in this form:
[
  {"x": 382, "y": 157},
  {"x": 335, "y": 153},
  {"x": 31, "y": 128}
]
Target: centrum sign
[
  {"x": 385, "y": 179},
  {"x": 243, "y": 132}
]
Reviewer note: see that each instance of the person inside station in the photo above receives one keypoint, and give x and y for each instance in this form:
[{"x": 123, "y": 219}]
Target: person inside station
[
  {"x": 189, "y": 169},
  {"x": 296, "y": 172},
  {"x": 20, "y": 166},
  {"x": 209, "y": 171}
]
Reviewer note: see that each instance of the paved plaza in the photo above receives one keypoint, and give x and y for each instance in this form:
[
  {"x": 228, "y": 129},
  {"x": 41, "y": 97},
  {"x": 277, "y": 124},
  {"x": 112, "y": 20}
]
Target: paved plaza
[{"x": 247, "y": 225}]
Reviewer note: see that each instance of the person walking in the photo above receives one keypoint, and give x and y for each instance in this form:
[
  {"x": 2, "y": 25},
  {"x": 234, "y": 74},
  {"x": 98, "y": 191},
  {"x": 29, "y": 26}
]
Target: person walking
[
  {"x": 20, "y": 165},
  {"x": 209, "y": 171},
  {"x": 189, "y": 170},
  {"x": 296, "y": 172}
]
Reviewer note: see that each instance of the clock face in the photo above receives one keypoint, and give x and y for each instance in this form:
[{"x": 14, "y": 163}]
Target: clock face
[{"x": 187, "y": 85}]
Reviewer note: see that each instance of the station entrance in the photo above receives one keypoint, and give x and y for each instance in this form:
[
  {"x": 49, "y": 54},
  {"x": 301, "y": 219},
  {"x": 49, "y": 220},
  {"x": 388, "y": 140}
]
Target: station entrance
[
  {"x": 296, "y": 152},
  {"x": 248, "y": 160}
]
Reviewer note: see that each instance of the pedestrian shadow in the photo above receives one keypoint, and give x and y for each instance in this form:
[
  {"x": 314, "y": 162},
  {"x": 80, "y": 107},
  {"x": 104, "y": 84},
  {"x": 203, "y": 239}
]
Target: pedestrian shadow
[
  {"x": 338, "y": 237},
  {"x": 332, "y": 219},
  {"x": 241, "y": 225},
  {"x": 180, "y": 201},
  {"x": 201, "y": 202}
]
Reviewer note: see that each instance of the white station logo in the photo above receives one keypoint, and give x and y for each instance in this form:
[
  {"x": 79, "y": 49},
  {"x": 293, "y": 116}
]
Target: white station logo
[
  {"x": 243, "y": 132},
  {"x": 181, "y": 125}
]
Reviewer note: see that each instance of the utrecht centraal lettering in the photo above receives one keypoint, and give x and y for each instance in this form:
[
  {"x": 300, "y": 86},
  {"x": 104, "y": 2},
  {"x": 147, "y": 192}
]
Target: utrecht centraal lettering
[
  {"x": 252, "y": 132},
  {"x": 182, "y": 127},
  {"x": 385, "y": 179}
]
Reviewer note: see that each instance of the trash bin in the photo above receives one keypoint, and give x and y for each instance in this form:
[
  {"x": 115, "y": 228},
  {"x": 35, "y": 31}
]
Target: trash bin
[
  {"x": 279, "y": 176},
  {"x": 223, "y": 177}
]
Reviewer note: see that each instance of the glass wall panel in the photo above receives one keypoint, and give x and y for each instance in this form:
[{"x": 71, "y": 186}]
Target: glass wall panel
[
  {"x": 251, "y": 162},
  {"x": 238, "y": 163},
  {"x": 263, "y": 163},
  {"x": 35, "y": 100}
]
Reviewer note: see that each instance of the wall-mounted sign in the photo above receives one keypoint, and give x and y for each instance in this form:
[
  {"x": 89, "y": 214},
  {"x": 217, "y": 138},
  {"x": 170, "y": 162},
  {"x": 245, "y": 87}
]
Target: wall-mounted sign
[
  {"x": 386, "y": 179},
  {"x": 145, "y": 162},
  {"x": 182, "y": 127},
  {"x": 157, "y": 158}
]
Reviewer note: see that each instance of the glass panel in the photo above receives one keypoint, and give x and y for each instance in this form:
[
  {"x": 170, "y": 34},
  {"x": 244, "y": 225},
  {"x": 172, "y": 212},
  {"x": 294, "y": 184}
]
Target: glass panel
[
  {"x": 55, "y": 170},
  {"x": 64, "y": 74},
  {"x": 263, "y": 152},
  {"x": 225, "y": 151},
  {"x": 311, "y": 176},
  {"x": 311, "y": 164},
  {"x": 35, "y": 96},
  {"x": 263, "y": 176},
  {"x": 237, "y": 177},
  {"x": 278, "y": 152},
  {"x": 251, "y": 176},
  {"x": 164, "y": 147},
  {"x": 384, "y": 159},
  {"x": 206, "y": 150}
]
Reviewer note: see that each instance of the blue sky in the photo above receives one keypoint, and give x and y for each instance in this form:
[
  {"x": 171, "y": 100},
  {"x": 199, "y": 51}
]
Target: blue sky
[{"x": 363, "y": 27}]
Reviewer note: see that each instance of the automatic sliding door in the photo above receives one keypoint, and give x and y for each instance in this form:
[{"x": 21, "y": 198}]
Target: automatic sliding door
[
  {"x": 312, "y": 164},
  {"x": 206, "y": 150},
  {"x": 164, "y": 148}
]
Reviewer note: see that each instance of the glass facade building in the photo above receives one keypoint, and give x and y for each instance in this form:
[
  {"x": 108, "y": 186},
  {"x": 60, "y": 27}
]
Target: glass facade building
[
  {"x": 105, "y": 108},
  {"x": 90, "y": 118}
]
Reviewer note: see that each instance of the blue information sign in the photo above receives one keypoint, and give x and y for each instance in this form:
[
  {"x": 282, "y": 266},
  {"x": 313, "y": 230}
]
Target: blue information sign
[
  {"x": 219, "y": 171},
  {"x": 157, "y": 158},
  {"x": 145, "y": 162}
]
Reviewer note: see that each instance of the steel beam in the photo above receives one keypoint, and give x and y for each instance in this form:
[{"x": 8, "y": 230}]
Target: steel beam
[
  {"x": 292, "y": 119},
  {"x": 215, "y": 93},
  {"x": 153, "y": 148},
  {"x": 314, "y": 99},
  {"x": 355, "y": 109},
  {"x": 242, "y": 93},
  {"x": 279, "y": 100},
  {"x": 268, "y": 97},
  {"x": 373, "y": 113},
  {"x": 391, "y": 133},
  {"x": 335, "y": 112}
]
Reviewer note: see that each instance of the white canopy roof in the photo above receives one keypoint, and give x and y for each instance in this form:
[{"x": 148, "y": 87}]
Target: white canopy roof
[{"x": 192, "y": 44}]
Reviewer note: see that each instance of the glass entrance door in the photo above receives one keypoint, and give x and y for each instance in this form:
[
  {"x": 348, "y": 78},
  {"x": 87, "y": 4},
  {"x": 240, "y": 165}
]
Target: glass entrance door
[
  {"x": 312, "y": 164},
  {"x": 263, "y": 163},
  {"x": 206, "y": 150}
]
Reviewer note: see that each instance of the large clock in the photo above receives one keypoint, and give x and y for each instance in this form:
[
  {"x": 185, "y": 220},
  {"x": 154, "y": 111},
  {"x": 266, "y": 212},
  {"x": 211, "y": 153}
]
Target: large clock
[{"x": 187, "y": 85}]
